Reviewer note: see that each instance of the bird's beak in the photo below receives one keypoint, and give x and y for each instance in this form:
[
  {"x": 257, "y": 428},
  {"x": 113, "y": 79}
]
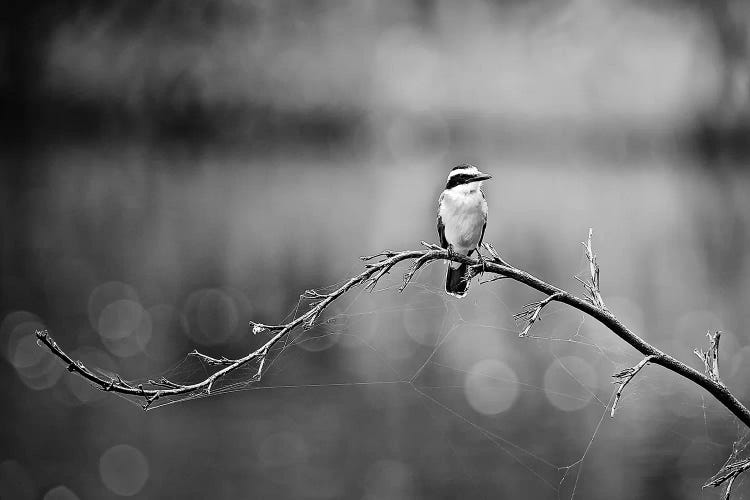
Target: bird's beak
[{"x": 481, "y": 177}]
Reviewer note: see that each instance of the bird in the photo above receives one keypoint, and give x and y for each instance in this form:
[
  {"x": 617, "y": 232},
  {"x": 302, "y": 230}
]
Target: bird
[{"x": 461, "y": 221}]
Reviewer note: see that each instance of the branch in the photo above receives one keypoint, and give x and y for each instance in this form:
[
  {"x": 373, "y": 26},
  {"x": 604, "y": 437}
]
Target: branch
[{"x": 384, "y": 262}]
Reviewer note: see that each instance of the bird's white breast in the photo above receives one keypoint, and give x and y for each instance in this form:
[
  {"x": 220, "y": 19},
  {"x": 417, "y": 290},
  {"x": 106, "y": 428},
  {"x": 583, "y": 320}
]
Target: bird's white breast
[{"x": 464, "y": 212}]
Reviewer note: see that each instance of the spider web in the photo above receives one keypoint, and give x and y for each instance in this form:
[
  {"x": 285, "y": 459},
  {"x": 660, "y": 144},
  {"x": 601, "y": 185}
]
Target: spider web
[{"x": 429, "y": 344}]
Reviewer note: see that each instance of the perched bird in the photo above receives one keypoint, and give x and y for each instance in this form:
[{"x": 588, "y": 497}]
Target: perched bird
[{"x": 461, "y": 220}]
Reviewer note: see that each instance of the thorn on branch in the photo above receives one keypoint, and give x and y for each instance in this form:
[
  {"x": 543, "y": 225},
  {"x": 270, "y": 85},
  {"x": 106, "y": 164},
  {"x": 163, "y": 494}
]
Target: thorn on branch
[
  {"x": 728, "y": 474},
  {"x": 223, "y": 361},
  {"x": 531, "y": 312},
  {"x": 710, "y": 357},
  {"x": 625, "y": 376}
]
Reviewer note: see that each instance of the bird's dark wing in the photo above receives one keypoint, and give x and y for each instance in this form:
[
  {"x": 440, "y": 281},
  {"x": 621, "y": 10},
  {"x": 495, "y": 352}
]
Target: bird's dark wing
[
  {"x": 481, "y": 238},
  {"x": 441, "y": 232},
  {"x": 484, "y": 226},
  {"x": 440, "y": 225}
]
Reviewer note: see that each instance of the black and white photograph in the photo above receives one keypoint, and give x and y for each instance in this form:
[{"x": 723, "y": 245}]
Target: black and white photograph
[{"x": 375, "y": 250}]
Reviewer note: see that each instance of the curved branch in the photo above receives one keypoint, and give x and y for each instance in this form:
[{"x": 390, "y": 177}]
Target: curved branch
[{"x": 369, "y": 278}]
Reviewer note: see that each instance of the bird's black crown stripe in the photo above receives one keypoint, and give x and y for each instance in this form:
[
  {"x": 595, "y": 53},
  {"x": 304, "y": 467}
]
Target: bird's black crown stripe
[{"x": 459, "y": 179}]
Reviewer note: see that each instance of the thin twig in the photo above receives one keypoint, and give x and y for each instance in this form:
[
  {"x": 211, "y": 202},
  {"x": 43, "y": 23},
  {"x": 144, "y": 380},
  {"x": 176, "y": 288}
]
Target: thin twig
[
  {"x": 625, "y": 376},
  {"x": 212, "y": 361},
  {"x": 728, "y": 474},
  {"x": 710, "y": 357},
  {"x": 496, "y": 278},
  {"x": 413, "y": 269},
  {"x": 532, "y": 311},
  {"x": 495, "y": 255},
  {"x": 593, "y": 286}
]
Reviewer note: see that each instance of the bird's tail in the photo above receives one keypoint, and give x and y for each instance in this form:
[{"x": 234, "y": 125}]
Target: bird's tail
[{"x": 456, "y": 282}]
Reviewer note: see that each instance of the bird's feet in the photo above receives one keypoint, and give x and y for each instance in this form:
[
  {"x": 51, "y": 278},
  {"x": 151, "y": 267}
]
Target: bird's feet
[
  {"x": 451, "y": 252},
  {"x": 482, "y": 262}
]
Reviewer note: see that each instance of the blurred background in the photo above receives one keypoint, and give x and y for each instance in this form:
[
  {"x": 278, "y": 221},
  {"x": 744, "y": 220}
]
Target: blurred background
[{"x": 172, "y": 170}]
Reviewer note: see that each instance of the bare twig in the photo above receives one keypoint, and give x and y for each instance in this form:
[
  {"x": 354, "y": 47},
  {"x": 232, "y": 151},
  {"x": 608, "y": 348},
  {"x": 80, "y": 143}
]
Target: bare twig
[
  {"x": 413, "y": 269},
  {"x": 385, "y": 254},
  {"x": 710, "y": 357},
  {"x": 625, "y": 376},
  {"x": 531, "y": 312},
  {"x": 163, "y": 383},
  {"x": 212, "y": 361},
  {"x": 496, "y": 278},
  {"x": 593, "y": 286},
  {"x": 431, "y": 246},
  {"x": 495, "y": 255},
  {"x": 728, "y": 474}
]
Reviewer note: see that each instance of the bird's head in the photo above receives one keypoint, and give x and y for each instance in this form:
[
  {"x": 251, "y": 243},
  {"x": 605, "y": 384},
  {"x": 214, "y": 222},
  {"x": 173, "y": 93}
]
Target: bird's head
[{"x": 466, "y": 175}]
